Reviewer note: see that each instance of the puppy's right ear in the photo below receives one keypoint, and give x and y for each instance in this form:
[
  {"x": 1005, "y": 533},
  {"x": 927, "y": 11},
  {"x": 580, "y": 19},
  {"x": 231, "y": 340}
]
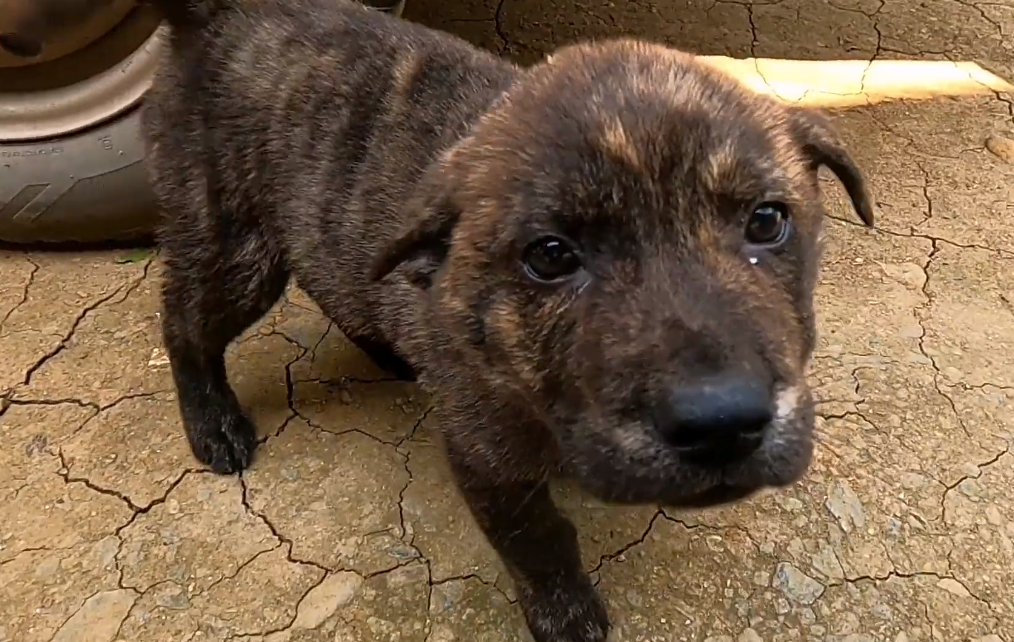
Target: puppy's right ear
[
  {"x": 821, "y": 143},
  {"x": 423, "y": 245}
]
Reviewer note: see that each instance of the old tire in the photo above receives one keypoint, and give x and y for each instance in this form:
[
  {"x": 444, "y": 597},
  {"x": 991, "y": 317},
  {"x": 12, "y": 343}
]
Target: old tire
[
  {"x": 87, "y": 187},
  {"x": 70, "y": 147},
  {"x": 71, "y": 154}
]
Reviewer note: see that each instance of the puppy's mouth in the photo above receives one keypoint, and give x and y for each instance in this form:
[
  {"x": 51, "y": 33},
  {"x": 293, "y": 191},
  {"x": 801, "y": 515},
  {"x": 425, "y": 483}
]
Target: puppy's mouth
[
  {"x": 735, "y": 448},
  {"x": 674, "y": 482},
  {"x": 633, "y": 464}
]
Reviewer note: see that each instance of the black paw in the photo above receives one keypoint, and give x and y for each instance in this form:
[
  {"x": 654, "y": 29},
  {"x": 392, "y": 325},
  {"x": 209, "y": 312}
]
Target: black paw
[
  {"x": 224, "y": 441},
  {"x": 568, "y": 612}
]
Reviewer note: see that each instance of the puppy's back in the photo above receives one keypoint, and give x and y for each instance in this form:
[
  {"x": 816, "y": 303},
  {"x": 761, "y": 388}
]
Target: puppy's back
[{"x": 311, "y": 110}]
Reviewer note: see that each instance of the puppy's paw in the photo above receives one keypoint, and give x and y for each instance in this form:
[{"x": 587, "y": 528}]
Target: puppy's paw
[
  {"x": 567, "y": 612},
  {"x": 224, "y": 441}
]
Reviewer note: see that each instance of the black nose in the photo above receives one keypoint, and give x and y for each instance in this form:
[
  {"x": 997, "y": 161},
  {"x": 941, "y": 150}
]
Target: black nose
[{"x": 717, "y": 421}]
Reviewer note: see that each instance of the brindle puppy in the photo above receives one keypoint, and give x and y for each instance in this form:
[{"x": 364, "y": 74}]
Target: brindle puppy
[{"x": 601, "y": 267}]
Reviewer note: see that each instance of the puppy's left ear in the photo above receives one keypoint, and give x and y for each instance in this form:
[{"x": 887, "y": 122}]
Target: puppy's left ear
[
  {"x": 423, "y": 245},
  {"x": 822, "y": 146}
]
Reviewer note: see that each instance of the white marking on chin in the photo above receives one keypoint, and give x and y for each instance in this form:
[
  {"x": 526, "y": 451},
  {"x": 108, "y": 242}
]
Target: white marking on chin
[
  {"x": 786, "y": 403},
  {"x": 787, "y": 400}
]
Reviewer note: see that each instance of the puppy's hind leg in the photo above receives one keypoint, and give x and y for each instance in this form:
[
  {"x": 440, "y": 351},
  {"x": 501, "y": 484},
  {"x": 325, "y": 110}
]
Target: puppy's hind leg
[{"x": 221, "y": 276}]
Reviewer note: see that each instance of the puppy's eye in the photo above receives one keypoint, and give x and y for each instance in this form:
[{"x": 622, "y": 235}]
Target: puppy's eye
[
  {"x": 768, "y": 224},
  {"x": 551, "y": 258}
]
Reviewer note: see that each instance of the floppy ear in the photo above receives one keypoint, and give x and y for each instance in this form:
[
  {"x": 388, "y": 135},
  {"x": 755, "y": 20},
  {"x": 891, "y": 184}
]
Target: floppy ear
[
  {"x": 423, "y": 245},
  {"x": 823, "y": 146}
]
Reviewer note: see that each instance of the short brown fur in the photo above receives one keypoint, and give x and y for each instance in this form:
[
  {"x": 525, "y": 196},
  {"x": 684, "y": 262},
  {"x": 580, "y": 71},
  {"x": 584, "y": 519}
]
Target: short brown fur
[{"x": 404, "y": 178}]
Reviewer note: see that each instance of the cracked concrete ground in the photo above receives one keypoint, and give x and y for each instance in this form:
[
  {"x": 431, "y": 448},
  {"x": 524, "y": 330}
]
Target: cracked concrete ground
[{"x": 348, "y": 528}]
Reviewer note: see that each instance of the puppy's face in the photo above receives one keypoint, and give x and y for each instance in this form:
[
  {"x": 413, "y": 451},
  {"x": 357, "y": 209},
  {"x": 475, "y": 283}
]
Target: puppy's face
[{"x": 629, "y": 243}]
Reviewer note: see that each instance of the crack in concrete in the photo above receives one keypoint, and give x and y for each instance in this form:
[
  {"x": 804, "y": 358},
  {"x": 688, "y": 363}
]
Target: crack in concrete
[
  {"x": 928, "y": 215},
  {"x": 498, "y": 27},
  {"x": 1001, "y": 253},
  {"x": 983, "y": 386},
  {"x": 143, "y": 510},
  {"x": 405, "y": 536},
  {"x": 754, "y": 39},
  {"x": 19, "y": 488},
  {"x": 609, "y": 557},
  {"x": 274, "y": 530},
  {"x": 64, "y": 473},
  {"x": 291, "y": 381},
  {"x": 662, "y": 514},
  {"x": 308, "y": 308},
  {"x": 855, "y": 402},
  {"x": 24, "y": 292},
  {"x": 43, "y": 446},
  {"x": 429, "y": 602},
  {"x": 981, "y": 469},
  {"x": 878, "y": 48},
  {"x": 470, "y": 576},
  {"x": 65, "y": 466},
  {"x": 896, "y": 574},
  {"x": 59, "y": 401},
  {"x": 840, "y": 357},
  {"x": 239, "y": 569},
  {"x": 119, "y": 569},
  {"x": 36, "y": 549},
  {"x": 81, "y": 606},
  {"x": 290, "y": 385},
  {"x": 349, "y": 431},
  {"x": 1009, "y": 101},
  {"x": 858, "y": 414},
  {"x": 125, "y": 290},
  {"x": 841, "y": 416},
  {"x": 985, "y": 16},
  {"x": 281, "y": 541},
  {"x": 922, "y": 314},
  {"x": 847, "y": 579},
  {"x": 718, "y": 529},
  {"x": 1007, "y": 303},
  {"x": 415, "y": 428},
  {"x": 502, "y": 34},
  {"x": 401, "y": 512},
  {"x": 876, "y": 53},
  {"x": 278, "y": 431},
  {"x": 267, "y": 633},
  {"x": 81, "y": 403},
  {"x": 295, "y": 612},
  {"x": 119, "y": 580},
  {"x": 910, "y": 143},
  {"x": 116, "y": 636},
  {"x": 859, "y": 10}
]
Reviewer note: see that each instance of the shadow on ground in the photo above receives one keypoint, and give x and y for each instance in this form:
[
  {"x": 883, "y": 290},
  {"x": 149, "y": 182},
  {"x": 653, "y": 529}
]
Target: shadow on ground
[{"x": 348, "y": 528}]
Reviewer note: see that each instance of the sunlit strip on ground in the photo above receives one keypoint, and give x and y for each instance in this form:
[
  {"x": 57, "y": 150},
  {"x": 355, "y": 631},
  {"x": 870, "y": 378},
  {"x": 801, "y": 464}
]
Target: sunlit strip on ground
[{"x": 845, "y": 83}]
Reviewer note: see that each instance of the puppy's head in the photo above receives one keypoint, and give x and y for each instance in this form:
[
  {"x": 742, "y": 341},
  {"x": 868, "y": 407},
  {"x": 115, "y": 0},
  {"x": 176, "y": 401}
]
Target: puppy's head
[{"x": 629, "y": 242}]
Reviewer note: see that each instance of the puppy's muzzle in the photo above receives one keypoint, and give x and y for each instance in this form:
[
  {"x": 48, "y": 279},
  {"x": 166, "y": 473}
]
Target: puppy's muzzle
[{"x": 717, "y": 421}]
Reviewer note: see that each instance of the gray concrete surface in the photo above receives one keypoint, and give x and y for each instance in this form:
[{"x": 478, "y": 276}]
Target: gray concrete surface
[{"x": 348, "y": 528}]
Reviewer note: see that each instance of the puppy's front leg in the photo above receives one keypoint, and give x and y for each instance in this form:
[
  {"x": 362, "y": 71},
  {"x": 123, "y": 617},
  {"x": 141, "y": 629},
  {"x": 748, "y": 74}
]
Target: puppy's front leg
[{"x": 539, "y": 547}]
